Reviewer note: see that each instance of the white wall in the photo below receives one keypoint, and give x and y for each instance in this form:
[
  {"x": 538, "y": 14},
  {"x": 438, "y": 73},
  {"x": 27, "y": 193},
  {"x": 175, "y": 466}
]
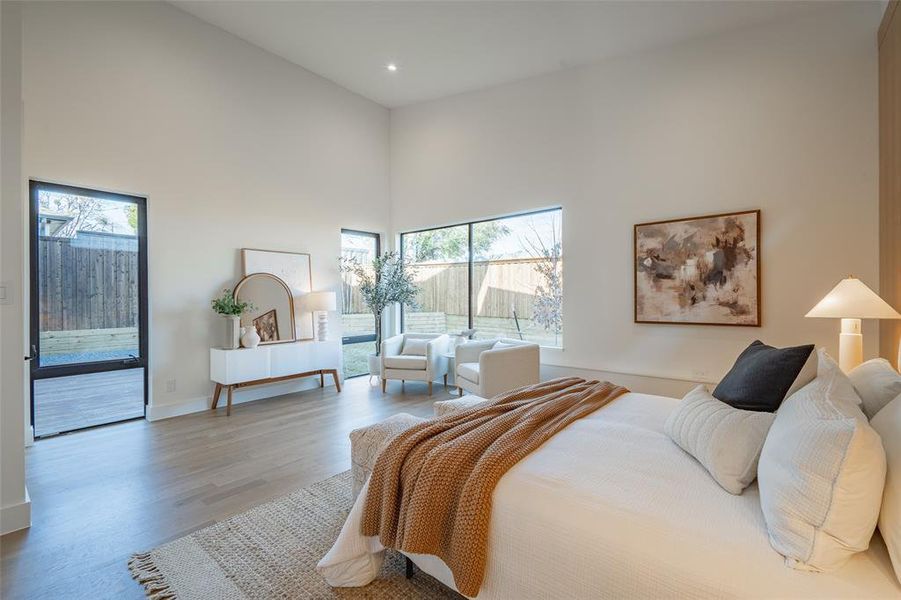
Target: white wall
[
  {"x": 782, "y": 117},
  {"x": 232, "y": 146},
  {"x": 15, "y": 509}
]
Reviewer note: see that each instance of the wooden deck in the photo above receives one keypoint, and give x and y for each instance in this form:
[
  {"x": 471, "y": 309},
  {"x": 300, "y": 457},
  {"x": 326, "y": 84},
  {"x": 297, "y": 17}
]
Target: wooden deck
[{"x": 79, "y": 401}]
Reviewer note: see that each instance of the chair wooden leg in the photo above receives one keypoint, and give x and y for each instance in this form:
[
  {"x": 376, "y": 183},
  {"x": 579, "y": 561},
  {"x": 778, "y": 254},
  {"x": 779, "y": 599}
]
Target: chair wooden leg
[
  {"x": 321, "y": 378},
  {"x": 430, "y": 388},
  {"x": 228, "y": 409},
  {"x": 384, "y": 385},
  {"x": 460, "y": 390},
  {"x": 216, "y": 394},
  {"x": 445, "y": 380},
  {"x": 409, "y": 569}
]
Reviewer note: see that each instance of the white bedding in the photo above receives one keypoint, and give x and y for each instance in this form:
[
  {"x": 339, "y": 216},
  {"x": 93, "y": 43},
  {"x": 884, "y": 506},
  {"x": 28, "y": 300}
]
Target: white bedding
[{"x": 611, "y": 508}]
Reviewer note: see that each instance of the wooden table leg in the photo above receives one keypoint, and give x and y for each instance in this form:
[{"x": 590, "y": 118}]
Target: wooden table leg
[
  {"x": 384, "y": 385},
  {"x": 228, "y": 409},
  {"x": 216, "y": 395},
  {"x": 334, "y": 373}
]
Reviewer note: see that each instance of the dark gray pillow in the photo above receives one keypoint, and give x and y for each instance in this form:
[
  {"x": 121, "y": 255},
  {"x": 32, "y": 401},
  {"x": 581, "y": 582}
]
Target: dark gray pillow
[{"x": 761, "y": 376}]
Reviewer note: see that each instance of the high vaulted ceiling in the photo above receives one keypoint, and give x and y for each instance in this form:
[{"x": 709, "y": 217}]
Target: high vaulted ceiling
[{"x": 444, "y": 48}]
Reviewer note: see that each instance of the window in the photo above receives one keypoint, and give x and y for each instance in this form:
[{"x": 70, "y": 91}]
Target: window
[
  {"x": 357, "y": 320},
  {"x": 441, "y": 258},
  {"x": 502, "y": 277}
]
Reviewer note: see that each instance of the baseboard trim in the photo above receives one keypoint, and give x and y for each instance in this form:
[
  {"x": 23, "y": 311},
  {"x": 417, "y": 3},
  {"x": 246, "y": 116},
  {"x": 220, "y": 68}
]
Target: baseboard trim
[
  {"x": 16, "y": 516},
  {"x": 644, "y": 374},
  {"x": 158, "y": 412},
  {"x": 645, "y": 383}
]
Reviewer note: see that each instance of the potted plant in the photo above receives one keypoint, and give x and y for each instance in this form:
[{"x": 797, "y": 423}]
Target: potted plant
[
  {"x": 231, "y": 309},
  {"x": 384, "y": 282}
]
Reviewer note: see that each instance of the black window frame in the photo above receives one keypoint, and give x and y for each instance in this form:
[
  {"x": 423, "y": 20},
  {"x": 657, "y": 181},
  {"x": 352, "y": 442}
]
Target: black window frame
[
  {"x": 470, "y": 261},
  {"x": 357, "y": 339}
]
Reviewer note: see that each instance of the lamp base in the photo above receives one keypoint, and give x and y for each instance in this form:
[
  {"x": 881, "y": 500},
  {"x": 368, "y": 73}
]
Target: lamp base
[
  {"x": 850, "y": 345},
  {"x": 322, "y": 329}
]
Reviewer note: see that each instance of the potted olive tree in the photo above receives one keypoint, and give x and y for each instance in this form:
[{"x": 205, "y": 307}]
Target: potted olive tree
[{"x": 383, "y": 283}]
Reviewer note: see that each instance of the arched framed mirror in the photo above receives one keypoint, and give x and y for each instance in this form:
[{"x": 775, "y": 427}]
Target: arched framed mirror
[{"x": 273, "y": 307}]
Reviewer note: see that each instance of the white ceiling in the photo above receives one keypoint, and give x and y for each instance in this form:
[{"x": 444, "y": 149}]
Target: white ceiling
[{"x": 444, "y": 48}]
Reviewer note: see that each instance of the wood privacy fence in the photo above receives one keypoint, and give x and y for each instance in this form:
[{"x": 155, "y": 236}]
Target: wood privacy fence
[
  {"x": 86, "y": 285},
  {"x": 498, "y": 287}
]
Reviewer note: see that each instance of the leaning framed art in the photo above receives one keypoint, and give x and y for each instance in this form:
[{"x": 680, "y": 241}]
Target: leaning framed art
[
  {"x": 295, "y": 269},
  {"x": 699, "y": 270}
]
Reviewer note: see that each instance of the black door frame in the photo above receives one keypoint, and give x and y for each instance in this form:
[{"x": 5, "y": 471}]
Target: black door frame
[
  {"x": 143, "y": 360},
  {"x": 357, "y": 339}
]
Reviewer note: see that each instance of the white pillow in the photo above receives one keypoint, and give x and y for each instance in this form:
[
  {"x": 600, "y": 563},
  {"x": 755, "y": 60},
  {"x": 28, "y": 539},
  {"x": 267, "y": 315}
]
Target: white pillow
[
  {"x": 821, "y": 474},
  {"x": 842, "y": 388},
  {"x": 887, "y": 423},
  {"x": 502, "y": 345},
  {"x": 807, "y": 373},
  {"x": 414, "y": 347},
  {"x": 876, "y": 382},
  {"x": 726, "y": 440}
]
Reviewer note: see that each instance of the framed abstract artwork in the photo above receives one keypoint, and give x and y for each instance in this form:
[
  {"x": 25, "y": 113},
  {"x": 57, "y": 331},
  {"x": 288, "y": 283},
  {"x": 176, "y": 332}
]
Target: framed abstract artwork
[
  {"x": 699, "y": 271},
  {"x": 267, "y": 326},
  {"x": 295, "y": 269}
]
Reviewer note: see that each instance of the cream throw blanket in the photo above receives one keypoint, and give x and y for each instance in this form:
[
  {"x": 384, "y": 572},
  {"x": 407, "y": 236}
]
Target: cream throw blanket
[{"x": 431, "y": 487}]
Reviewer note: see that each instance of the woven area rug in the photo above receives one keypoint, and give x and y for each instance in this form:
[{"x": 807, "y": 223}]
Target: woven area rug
[{"x": 271, "y": 551}]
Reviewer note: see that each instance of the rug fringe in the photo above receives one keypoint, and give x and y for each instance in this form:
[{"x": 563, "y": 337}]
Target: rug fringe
[{"x": 145, "y": 571}]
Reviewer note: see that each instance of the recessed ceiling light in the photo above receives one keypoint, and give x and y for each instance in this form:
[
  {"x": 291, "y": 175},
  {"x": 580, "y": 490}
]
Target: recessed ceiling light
[{"x": 391, "y": 67}]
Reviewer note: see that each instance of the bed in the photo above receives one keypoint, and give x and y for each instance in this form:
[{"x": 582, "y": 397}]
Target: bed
[{"x": 611, "y": 507}]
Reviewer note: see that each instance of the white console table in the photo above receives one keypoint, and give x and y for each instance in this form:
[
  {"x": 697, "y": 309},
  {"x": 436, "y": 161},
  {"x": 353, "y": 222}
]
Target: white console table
[{"x": 272, "y": 363}]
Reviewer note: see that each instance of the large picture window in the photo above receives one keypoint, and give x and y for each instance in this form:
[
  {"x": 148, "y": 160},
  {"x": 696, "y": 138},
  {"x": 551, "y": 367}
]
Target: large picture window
[{"x": 502, "y": 277}]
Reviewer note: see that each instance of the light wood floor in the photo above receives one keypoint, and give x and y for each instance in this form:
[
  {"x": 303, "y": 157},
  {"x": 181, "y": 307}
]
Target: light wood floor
[
  {"x": 102, "y": 494},
  {"x": 78, "y": 401}
]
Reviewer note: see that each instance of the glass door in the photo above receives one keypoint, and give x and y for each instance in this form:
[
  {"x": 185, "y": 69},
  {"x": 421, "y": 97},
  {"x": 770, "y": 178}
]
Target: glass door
[
  {"x": 88, "y": 308},
  {"x": 357, "y": 321}
]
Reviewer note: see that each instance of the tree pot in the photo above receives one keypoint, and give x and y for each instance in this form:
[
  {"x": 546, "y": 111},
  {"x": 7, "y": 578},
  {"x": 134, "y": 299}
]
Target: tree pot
[{"x": 375, "y": 365}]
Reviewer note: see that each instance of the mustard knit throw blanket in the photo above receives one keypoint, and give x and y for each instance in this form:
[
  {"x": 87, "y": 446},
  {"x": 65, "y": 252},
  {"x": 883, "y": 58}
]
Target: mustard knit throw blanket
[{"x": 431, "y": 487}]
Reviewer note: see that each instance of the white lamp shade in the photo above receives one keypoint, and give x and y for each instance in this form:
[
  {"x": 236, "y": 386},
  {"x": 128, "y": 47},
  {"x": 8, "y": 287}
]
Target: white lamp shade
[
  {"x": 320, "y": 301},
  {"x": 852, "y": 299}
]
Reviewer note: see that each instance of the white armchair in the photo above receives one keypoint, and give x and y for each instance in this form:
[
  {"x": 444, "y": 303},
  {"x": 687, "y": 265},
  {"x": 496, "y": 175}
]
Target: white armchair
[
  {"x": 414, "y": 357},
  {"x": 487, "y": 368}
]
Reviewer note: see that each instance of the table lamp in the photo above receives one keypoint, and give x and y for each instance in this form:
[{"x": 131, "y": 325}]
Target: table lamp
[
  {"x": 319, "y": 303},
  {"x": 851, "y": 300}
]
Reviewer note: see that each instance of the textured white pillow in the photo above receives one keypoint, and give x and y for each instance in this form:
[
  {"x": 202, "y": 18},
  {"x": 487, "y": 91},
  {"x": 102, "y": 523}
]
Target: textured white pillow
[
  {"x": 807, "y": 373},
  {"x": 842, "y": 388},
  {"x": 414, "y": 347},
  {"x": 876, "y": 382},
  {"x": 887, "y": 423},
  {"x": 502, "y": 345},
  {"x": 726, "y": 440},
  {"x": 821, "y": 474}
]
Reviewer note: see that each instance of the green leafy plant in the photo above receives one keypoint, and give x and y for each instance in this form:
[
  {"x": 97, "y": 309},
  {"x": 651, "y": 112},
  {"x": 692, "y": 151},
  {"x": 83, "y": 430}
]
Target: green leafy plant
[
  {"x": 384, "y": 282},
  {"x": 228, "y": 306}
]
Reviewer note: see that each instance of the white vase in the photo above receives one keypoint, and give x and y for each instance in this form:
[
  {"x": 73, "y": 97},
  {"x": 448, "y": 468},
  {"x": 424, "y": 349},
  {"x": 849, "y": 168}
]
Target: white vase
[
  {"x": 232, "y": 331},
  {"x": 375, "y": 365},
  {"x": 249, "y": 337}
]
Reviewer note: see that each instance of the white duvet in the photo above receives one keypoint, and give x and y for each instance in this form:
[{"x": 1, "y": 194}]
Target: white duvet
[{"x": 611, "y": 508}]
